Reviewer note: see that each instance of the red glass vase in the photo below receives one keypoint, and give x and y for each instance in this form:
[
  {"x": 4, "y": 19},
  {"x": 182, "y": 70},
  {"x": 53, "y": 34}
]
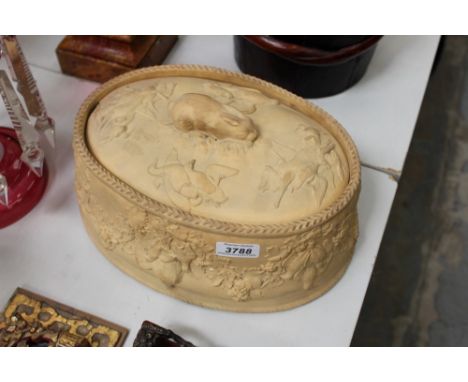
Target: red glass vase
[{"x": 25, "y": 189}]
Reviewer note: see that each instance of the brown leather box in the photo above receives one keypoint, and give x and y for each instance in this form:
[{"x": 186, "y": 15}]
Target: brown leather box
[{"x": 100, "y": 58}]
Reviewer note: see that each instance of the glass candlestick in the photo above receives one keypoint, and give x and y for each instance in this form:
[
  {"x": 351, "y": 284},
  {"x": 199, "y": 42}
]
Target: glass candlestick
[{"x": 23, "y": 171}]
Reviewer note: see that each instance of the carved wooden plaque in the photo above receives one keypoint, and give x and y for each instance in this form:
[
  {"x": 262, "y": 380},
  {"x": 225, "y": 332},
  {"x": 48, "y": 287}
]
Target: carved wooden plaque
[{"x": 32, "y": 320}]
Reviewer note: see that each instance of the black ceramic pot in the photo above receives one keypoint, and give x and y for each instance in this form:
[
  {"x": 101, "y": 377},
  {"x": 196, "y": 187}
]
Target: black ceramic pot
[{"x": 310, "y": 66}]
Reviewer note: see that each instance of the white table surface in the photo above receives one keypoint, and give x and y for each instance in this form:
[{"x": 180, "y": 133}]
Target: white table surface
[{"x": 50, "y": 253}]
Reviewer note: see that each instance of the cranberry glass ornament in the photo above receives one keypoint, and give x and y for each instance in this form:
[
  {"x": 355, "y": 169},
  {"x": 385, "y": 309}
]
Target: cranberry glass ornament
[{"x": 23, "y": 172}]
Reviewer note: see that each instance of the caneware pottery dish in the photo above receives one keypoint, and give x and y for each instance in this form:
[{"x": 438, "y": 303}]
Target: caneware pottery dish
[
  {"x": 217, "y": 188},
  {"x": 310, "y": 66}
]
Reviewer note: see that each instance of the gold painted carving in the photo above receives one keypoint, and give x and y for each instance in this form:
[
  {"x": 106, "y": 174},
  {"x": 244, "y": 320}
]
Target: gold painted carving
[{"x": 32, "y": 320}]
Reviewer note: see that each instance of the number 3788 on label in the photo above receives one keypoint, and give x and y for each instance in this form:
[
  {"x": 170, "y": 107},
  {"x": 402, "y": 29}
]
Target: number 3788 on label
[{"x": 248, "y": 251}]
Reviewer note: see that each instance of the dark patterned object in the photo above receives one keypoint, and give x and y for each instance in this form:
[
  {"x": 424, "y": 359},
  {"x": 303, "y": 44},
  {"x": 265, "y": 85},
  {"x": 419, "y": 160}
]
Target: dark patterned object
[{"x": 152, "y": 335}]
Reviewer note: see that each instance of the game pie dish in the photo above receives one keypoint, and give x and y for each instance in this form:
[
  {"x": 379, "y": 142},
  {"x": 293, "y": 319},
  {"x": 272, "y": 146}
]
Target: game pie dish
[{"x": 217, "y": 188}]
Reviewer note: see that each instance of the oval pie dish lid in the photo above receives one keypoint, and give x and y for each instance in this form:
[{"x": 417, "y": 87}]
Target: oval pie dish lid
[{"x": 215, "y": 146}]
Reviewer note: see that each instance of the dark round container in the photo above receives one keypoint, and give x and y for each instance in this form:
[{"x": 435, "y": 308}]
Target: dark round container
[
  {"x": 310, "y": 66},
  {"x": 325, "y": 42}
]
